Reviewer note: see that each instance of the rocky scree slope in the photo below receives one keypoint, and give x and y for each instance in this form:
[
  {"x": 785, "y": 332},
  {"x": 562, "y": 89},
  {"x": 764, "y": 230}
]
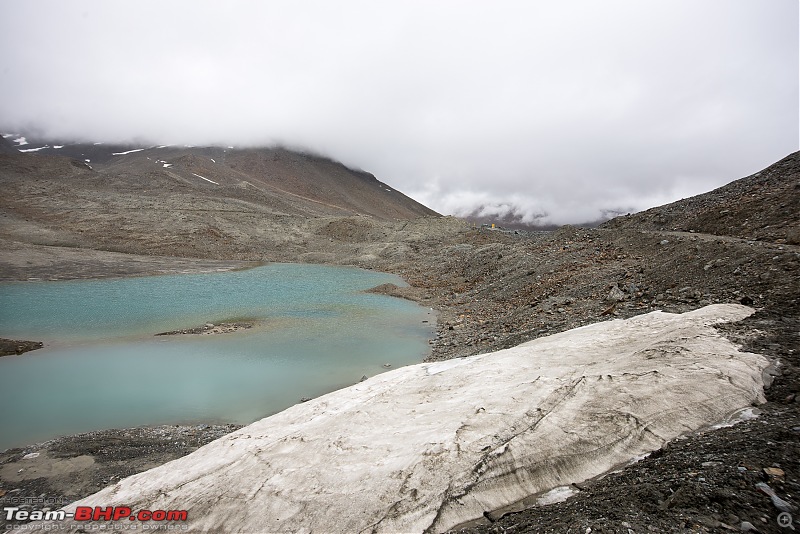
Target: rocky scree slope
[{"x": 763, "y": 206}]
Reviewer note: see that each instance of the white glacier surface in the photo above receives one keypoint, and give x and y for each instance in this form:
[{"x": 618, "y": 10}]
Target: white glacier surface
[{"x": 430, "y": 446}]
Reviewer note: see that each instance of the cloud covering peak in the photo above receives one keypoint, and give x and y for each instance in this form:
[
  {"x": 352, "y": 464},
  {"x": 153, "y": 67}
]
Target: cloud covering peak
[{"x": 559, "y": 108}]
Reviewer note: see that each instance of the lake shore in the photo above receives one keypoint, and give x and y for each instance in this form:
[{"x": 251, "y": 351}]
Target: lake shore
[
  {"x": 23, "y": 262},
  {"x": 269, "y": 324}
]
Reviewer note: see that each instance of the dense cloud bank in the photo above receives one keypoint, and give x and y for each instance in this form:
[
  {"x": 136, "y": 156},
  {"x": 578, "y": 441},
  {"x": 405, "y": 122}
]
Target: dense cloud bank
[{"x": 566, "y": 109}]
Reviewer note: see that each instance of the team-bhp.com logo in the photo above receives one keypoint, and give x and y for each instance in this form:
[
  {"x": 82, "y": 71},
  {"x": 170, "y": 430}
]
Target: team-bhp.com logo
[{"x": 87, "y": 513}]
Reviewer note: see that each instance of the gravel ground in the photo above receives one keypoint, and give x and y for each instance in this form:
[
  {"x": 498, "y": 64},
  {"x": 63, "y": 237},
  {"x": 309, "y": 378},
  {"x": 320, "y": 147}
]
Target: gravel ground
[{"x": 52, "y": 474}]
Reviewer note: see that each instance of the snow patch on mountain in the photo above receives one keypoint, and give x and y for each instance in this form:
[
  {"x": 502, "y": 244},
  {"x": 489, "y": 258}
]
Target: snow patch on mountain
[{"x": 206, "y": 179}]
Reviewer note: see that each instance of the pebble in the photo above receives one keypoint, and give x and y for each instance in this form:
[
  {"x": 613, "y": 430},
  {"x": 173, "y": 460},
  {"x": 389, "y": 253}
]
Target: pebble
[
  {"x": 779, "y": 503},
  {"x": 774, "y": 472}
]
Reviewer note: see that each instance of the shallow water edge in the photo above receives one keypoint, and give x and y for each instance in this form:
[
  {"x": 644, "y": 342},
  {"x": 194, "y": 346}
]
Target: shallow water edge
[{"x": 362, "y": 323}]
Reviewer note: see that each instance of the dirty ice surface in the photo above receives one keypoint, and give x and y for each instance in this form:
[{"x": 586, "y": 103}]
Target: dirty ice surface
[{"x": 430, "y": 446}]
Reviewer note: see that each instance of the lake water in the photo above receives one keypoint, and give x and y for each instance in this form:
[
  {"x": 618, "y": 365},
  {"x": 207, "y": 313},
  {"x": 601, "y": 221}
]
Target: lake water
[{"x": 315, "y": 331}]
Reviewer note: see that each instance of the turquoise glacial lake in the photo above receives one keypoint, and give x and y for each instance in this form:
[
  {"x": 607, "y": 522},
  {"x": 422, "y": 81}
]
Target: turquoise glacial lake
[{"x": 102, "y": 366}]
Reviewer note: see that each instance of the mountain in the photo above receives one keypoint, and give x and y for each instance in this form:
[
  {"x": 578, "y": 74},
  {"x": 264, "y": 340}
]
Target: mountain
[
  {"x": 209, "y": 202},
  {"x": 281, "y": 173},
  {"x": 7, "y": 147}
]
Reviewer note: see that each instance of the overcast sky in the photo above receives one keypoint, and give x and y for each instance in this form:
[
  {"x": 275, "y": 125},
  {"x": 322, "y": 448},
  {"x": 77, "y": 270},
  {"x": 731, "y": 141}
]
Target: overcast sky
[{"x": 558, "y": 107}]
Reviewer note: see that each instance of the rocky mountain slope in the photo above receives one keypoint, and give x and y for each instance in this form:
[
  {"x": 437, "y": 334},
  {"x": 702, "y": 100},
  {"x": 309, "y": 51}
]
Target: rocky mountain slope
[
  {"x": 7, "y": 147},
  {"x": 762, "y": 207},
  {"x": 184, "y": 201}
]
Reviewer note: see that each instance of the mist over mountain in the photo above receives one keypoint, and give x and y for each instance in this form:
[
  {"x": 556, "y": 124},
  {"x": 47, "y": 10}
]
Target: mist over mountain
[{"x": 524, "y": 218}]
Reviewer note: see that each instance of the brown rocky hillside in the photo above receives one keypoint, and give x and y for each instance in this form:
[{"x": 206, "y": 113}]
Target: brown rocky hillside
[
  {"x": 764, "y": 206},
  {"x": 185, "y": 201}
]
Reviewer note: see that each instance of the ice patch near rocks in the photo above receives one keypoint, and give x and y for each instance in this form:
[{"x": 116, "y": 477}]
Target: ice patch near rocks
[
  {"x": 439, "y": 367},
  {"x": 745, "y": 414},
  {"x": 430, "y": 446},
  {"x": 556, "y": 495}
]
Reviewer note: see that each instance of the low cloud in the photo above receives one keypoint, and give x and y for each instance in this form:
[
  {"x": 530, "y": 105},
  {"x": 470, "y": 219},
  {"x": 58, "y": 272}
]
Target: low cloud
[{"x": 555, "y": 111}]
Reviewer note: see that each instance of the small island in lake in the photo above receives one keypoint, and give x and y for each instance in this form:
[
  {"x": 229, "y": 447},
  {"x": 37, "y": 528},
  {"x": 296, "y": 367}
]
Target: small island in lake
[{"x": 211, "y": 328}]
